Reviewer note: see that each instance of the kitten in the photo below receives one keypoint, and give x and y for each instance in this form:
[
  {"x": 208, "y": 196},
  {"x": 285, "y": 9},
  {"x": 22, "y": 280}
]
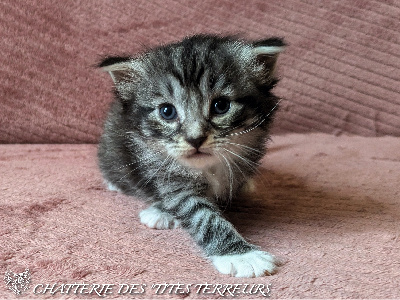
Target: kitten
[{"x": 186, "y": 133}]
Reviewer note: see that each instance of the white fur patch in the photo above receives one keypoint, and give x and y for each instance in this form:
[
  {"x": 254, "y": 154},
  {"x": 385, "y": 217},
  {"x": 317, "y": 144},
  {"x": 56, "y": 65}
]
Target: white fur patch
[
  {"x": 112, "y": 187},
  {"x": 154, "y": 218},
  {"x": 269, "y": 50},
  {"x": 251, "y": 264}
]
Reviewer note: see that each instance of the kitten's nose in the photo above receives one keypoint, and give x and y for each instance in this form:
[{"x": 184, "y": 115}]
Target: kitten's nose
[{"x": 196, "y": 142}]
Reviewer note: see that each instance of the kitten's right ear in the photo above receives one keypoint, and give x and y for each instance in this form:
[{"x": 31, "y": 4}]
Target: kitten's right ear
[
  {"x": 119, "y": 68},
  {"x": 267, "y": 52}
]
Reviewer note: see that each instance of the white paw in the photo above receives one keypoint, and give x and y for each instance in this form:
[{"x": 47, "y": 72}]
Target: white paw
[
  {"x": 155, "y": 218},
  {"x": 251, "y": 264}
]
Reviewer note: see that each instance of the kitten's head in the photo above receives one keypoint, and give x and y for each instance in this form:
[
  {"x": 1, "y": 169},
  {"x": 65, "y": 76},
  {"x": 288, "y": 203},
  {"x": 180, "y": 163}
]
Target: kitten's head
[{"x": 203, "y": 101}]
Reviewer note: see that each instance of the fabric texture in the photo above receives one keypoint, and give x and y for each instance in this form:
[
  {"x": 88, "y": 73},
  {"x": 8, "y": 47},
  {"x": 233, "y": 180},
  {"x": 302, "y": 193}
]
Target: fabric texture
[
  {"x": 340, "y": 72},
  {"x": 327, "y": 206},
  {"x": 327, "y": 199}
]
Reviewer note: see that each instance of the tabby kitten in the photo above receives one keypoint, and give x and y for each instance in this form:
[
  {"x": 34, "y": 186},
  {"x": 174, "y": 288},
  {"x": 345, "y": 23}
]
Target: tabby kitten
[{"x": 186, "y": 133}]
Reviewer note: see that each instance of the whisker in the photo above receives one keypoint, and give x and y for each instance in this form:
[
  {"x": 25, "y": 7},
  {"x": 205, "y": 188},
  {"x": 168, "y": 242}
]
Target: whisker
[
  {"x": 252, "y": 165},
  {"x": 222, "y": 204},
  {"x": 230, "y": 176},
  {"x": 259, "y": 120},
  {"x": 145, "y": 159},
  {"x": 259, "y": 123},
  {"x": 255, "y": 168},
  {"x": 245, "y": 147},
  {"x": 228, "y": 130},
  {"x": 129, "y": 173},
  {"x": 237, "y": 166},
  {"x": 139, "y": 161},
  {"x": 155, "y": 173},
  {"x": 167, "y": 174},
  {"x": 247, "y": 161},
  {"x": 127, "y": 165}
]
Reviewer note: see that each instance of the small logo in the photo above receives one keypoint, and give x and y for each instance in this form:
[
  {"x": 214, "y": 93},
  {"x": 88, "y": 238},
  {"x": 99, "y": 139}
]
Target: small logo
[{"x": 19, "y": 282}]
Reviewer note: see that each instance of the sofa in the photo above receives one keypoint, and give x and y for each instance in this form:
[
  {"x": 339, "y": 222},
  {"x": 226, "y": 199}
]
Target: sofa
[{"x": 327, "y": 195}]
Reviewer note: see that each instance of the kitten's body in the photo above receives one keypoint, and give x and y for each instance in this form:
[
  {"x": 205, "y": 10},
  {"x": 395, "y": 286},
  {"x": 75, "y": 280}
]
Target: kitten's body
[{"x": 187, "y": 131}]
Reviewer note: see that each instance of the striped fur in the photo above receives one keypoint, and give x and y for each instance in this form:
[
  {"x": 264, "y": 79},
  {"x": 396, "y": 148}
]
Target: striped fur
[{"x": 217, "y": 92}]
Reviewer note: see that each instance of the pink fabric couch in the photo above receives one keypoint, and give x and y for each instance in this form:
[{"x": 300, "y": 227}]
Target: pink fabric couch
[{"x": 328, "y": 194}]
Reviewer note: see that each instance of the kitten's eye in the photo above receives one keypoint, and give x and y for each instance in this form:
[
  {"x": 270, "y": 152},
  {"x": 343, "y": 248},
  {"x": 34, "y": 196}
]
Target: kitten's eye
[
  {"x": 220, "y": 105},
  {"x": 168, "y": 112}
]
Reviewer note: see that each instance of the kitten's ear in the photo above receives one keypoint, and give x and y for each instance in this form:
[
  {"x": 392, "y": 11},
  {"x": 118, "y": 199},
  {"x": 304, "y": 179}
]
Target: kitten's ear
[
  {"x": 119, "y": 68},
  {"x": 267, "y": 52}
]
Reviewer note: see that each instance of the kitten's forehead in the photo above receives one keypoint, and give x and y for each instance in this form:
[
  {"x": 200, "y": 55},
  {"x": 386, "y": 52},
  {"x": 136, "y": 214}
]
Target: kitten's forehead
[
  {"x": 193, "y": 59},
  {"x": 203, "y": 70}
]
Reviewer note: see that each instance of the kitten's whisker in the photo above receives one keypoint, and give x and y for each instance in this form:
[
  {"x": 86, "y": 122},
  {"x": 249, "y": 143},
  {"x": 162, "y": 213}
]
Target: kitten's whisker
[
  {"x": 248, "y": 129},
  {"x": 237, "y": 166},
  {"x": 255, "y": 119},
  {"x": 261, "y": 119},
  {"x": 127, "y": 165},
  {"x": 217, "y": 197},
  {"x": 155, "y": 173},
  {"x": 253, "y": 166},
  {"x": 230, "y": 176},
  {"x": 245, "y": 147},
  {"x": 171, "y": 167},
  {"x": 228, "y": 130},
  {"x": 147, "y": 159},
  {"x": 129, "y": 173},
  {"x": 225, "y": 134},
  {"x": 250, "y": 164},
  {"x": 247, "y": 161}
]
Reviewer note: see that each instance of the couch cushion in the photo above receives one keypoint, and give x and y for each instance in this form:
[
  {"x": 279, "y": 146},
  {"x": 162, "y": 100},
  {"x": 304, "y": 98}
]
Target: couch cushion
[
  {"x": 328, "y": 206},
  {"x": 340, "y": 71}
]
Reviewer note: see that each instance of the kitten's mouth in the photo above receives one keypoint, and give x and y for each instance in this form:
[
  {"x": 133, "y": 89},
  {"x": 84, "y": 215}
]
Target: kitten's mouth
[
  {"x": 198, "y": 155},
  {"x": 198, "y": 159}
]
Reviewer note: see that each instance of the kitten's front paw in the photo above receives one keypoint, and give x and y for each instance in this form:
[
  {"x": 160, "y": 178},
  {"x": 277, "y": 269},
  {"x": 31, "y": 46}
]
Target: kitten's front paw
[
  {"x": 155, "y": 218},
  {"x": 251, "y": 264}
]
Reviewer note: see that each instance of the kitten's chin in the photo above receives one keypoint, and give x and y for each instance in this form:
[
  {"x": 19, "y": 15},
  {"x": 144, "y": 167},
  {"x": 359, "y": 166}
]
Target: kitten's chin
[{"x": 198, "y": 160}]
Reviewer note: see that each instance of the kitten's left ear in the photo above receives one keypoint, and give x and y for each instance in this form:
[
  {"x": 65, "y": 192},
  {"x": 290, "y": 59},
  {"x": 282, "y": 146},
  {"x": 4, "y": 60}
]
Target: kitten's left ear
[
  {"x": 267, "y": 52},
  {"x": 119, "y": 68}
]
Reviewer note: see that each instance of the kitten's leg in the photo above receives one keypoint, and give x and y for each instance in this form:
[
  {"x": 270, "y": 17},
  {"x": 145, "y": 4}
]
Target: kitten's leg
[
  {"x": 226, "y": 248},
  {"x": 153, "y": 217}
]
